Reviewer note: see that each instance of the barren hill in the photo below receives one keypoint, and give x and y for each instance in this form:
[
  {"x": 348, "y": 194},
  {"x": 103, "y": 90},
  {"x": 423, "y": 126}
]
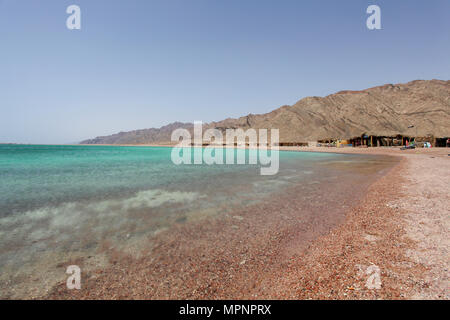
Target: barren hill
[
  {"x": 143, "y": 136},
  {"x": 384, "y": 110}
]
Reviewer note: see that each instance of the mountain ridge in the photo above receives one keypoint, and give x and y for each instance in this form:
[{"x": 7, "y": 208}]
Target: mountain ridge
[{"x": 384, "y": 110}]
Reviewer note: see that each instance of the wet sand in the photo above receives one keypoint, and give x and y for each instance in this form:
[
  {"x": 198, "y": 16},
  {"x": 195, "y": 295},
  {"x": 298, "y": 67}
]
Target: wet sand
[{"x": 323, "y": 254}]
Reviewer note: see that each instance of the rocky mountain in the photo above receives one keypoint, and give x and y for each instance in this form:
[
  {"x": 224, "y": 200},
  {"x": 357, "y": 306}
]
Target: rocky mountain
[
  {"x": 385, "y": 110},
  {"x": 143, "y": 136}
]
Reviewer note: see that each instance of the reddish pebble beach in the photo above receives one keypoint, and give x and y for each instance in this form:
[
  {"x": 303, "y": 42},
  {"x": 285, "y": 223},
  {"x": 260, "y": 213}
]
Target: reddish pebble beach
[{"x": 268, "y": 252}]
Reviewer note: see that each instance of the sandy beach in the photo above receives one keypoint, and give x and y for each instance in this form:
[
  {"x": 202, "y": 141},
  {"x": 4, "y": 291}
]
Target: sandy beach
[
  {"x": 225, "y": 151},
  {"x": 392, "y": 244},
  {"x": 402, "y": 227}
]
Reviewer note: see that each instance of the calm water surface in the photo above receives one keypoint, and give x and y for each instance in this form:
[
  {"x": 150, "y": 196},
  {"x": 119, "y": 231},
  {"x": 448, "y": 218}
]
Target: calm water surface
[{"x": 62, "y": 202}]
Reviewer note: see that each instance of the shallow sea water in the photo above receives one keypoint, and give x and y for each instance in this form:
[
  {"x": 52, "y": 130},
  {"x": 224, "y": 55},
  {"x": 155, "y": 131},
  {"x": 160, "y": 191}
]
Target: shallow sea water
[{"x": 62, "y": 203}]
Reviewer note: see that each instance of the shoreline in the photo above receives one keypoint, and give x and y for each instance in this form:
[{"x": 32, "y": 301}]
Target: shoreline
[
  {"x": 401, "y": 227},
  {"x": 381, "y": 230},
  {"x": 391, "y": 227}
]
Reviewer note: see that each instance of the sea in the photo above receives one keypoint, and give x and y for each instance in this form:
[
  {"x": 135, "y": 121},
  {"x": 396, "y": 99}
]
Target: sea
[{"x": 64, "y": 203}]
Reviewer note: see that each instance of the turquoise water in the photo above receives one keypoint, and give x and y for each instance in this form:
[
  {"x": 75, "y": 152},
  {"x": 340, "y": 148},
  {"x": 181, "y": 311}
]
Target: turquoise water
[
  {"x": 36, "y": 176},
  {"x": 60, "y": 203}
]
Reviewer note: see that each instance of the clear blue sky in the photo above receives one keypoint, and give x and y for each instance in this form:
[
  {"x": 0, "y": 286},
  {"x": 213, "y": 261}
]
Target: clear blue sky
[{"x": 140, "y": 64}]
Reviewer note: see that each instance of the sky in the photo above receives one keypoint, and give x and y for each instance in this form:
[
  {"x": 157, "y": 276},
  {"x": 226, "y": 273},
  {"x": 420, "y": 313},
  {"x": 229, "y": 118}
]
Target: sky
[{"x": 141, "y": 64}]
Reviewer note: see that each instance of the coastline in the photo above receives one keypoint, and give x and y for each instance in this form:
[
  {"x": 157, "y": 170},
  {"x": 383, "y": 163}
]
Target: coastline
[
  {"x": 382, "y": 230},
  {"x": 400, "y": 226},
  {"x": 225, "y": 159},
  {"x": 397, "y": 228}
]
